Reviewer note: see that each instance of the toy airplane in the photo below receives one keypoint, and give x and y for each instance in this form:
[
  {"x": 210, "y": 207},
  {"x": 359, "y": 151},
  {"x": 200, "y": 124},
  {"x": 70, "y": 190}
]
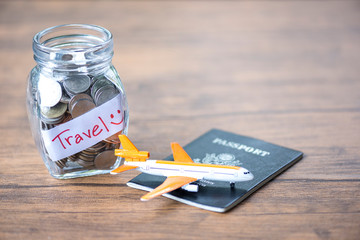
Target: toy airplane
[{"x": 180, "y": 172}]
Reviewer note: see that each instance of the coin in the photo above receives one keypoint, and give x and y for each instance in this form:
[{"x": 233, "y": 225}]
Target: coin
[
  {"x": 54, "y": 112},
  {"x": 105, "y": 160},
  {"x": 72, "y": 97},
  {"x": 49, "y": 92},
  {"x": 81, "y": 106},
  {"x": 73, "y": 158},
  {"x": 112, "y": 146},
  {"x": 97, "y": 147},
  {"x": 105, "y": 94},
  {"x": 99, "y": 82},
  {"x": 86, "y": 157},
  {"x": 77, "y": 84},
  {"x": 61, "y": 163},
  {"x": 45, "y": 126},
  {"x": 65, "y": 98},
  {"x": 52, "y": 122},
  {"x": 78, "y": 97},
  {"x": 67, "y": 118},
  {"x": 85, "y": 163}
]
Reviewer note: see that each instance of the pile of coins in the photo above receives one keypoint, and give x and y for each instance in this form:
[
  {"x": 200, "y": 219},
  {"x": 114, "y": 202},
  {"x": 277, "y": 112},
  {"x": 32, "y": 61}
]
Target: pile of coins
[
  {"x": 62, "y": 101},
  {"x": 54, "y": 115},
  {"x": 100, "y": 156}
]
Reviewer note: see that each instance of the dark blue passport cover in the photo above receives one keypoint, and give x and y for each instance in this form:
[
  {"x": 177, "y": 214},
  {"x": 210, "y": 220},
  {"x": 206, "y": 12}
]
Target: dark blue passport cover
[{"x": 265, "y": 160}]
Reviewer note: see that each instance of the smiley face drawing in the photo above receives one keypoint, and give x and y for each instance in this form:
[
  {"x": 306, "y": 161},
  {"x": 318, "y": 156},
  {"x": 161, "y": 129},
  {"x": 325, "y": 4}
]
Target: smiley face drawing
[{"x": 121, "y": 116}]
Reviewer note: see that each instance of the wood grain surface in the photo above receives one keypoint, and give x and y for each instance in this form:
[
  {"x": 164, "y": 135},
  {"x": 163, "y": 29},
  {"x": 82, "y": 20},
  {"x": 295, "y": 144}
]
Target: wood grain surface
[{"x": 287, "y": 72}]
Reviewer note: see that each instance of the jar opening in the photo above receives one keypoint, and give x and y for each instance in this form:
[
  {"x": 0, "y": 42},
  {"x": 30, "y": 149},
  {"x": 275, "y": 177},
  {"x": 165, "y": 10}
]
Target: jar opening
[
  {"x": 73, "y": 37},
  {"x": 72, "y": 44}
]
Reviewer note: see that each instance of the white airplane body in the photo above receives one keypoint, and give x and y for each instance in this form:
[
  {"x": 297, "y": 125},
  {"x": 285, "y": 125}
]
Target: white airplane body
[
  {"x": 199, "y": 171},
  {"x": 180, "y": 172}
]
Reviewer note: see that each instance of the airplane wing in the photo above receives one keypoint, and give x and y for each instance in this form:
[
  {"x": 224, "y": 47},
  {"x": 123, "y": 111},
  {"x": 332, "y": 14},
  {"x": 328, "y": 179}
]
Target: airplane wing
[
  {"x": 126, "y": 143},
  {"x": 170, "y": 184},
  {"x": 179, "y": 154},
  {"x": 123, "y": 168}
]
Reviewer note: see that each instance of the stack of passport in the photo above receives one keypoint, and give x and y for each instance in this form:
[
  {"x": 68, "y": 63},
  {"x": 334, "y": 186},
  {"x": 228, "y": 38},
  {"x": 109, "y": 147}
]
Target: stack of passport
[{"x": 264, "y": 160}]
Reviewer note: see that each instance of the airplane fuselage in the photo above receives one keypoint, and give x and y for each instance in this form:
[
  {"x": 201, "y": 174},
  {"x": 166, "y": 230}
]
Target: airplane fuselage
[
  {"x": 231, "y": 174},
  {"x": 180, "y": 173}
]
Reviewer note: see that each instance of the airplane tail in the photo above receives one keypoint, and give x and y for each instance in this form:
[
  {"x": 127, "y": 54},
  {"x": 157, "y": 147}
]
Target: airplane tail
[{"x": 130, "y": 153}]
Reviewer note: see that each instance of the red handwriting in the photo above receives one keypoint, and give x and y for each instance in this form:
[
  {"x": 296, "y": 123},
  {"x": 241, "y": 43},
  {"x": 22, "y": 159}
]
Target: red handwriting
[
  {"x": 79, "y": 137},
  {"x": 116, "y": 123},
  {"x": 58, "y": 136}
]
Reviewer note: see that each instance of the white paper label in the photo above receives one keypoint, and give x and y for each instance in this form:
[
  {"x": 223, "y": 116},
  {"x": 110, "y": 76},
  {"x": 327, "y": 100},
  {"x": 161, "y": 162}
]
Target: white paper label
[{"x": 85, "y": 130}]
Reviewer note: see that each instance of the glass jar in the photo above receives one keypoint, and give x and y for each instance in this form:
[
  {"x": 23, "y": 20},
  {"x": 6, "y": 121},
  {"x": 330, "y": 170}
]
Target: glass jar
[{"x": 76, "y": 102}]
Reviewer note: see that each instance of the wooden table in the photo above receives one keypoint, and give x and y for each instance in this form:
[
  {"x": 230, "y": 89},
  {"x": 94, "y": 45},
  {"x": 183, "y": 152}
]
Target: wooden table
[{"x": 282, "y": 71}]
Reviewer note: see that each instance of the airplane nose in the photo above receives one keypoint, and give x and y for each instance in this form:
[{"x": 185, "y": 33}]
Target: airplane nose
[
  {"x": 248, "y": 175},
  {"x": 251, "y": 176}
]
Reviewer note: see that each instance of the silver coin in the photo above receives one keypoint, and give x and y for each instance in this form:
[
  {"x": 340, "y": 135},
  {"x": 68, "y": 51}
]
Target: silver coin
[
  {"x": 105, "y": 94},
  {"x": 103, "y": 88},
  {"x": 45, "y": 125},
  {"x": 105, "y": 160},
  {"x": 99, "y": 82},
  {"x": 54, "y": 112},
  {"x": 52, "y": 122},
  {"x": 49, "y": 92},
  {"x": 65, "y": 98},
  {"x": 77, "y": 84}
]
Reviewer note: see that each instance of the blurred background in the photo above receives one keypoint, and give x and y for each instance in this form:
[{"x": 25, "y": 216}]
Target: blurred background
[
  {"x": 282, "y": 71},
  {"x": 286, "y": 72},
  {"x": 191, "y": 66}
]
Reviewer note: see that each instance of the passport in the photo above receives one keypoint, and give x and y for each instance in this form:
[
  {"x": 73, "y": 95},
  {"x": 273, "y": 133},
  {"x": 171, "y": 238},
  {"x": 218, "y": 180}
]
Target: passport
[{"x": 263, "y": 159}]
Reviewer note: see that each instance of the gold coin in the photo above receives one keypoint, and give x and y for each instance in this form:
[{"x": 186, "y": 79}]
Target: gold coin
[{"x": 54, "y": 112}]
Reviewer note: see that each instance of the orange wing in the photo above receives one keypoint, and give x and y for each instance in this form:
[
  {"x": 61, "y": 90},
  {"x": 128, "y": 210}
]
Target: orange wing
[
  {"x": 122, "y": 168},
  {"x": 170, "y": 184},
  {"x": 179, "y": 154}
]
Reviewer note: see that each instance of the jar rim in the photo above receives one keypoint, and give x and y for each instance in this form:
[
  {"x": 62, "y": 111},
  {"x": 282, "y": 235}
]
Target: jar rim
[
  {"x": 73, "y": 47},
  {"x": 105, "y": 37}
]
